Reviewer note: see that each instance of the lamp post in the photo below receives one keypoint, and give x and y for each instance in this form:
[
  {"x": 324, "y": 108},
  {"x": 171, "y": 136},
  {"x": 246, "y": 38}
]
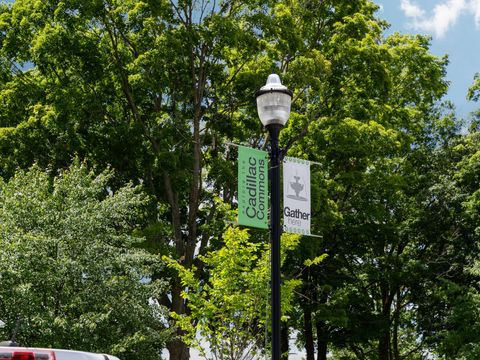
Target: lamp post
[{"x": 273, "y": 105}]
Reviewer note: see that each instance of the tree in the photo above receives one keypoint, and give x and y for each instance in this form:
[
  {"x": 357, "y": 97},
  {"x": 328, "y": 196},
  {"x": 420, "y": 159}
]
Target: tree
[
  {"x": 373, "y": 125},
  {"x": 229, "y": 311},
  {"x": 71, "y": 273},
  {"x": 454, "y": 332},
  {"x": 154, "y": 88},
  {"x": 143, "y": 86}
]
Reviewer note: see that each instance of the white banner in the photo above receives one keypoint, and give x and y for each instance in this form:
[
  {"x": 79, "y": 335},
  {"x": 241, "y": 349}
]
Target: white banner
[{"x": 296, "y": 196}]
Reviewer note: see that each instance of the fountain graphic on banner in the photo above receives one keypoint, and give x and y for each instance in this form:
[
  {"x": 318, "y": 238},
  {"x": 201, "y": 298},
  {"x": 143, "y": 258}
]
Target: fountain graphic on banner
[{"x": 297, "y": 187}]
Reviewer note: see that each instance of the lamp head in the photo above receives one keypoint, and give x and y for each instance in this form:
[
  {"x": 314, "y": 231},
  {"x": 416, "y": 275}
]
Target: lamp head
[{"x": 273, "y": 102}]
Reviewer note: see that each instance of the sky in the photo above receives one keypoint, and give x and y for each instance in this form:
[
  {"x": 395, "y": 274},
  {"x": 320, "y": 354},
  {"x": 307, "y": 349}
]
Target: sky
[{"x": 454, "y": 26}]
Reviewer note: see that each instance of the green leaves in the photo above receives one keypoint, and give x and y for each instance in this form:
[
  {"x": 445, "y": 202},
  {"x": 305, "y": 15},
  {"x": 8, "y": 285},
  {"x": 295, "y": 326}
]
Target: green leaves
[
  {"x": 153, "y": 90},
  {"x": 315, "y": 261},
  {"x": 229, "y": 310},
  {"x": 69, "y": 269}
]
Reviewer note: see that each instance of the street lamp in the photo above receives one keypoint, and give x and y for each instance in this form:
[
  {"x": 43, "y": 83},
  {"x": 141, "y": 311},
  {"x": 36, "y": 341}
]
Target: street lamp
[{"x": 273, "y": 105}]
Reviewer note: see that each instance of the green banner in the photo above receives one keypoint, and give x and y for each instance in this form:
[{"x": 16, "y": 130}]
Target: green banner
[{"x": 252, "y": 187}]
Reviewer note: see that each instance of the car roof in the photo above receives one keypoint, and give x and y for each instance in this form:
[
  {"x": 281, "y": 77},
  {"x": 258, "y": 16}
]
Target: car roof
[{"x": 61, "y": 354}]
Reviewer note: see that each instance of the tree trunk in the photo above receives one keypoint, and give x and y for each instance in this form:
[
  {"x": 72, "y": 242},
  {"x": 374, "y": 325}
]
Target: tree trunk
[
  {"x": 285, "y": 346},
  {"x": 308, "y": 333},
  {"x": 177, "y": 348},
  {"x": 384, "y": 344},
  {"x": 321, "y": 341},
  {"x": 396, "y": 322}
]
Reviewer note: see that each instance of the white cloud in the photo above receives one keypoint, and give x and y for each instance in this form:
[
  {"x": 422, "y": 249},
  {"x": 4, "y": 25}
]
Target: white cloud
[
  {"x": 445, "y": 15},
  {"x": 475, "y": 8},
  {"x": 410, "y": 9}
]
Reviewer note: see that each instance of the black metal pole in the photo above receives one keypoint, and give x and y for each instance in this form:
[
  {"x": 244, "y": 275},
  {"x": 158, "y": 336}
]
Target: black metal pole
[{"x": 274, "y": 131}]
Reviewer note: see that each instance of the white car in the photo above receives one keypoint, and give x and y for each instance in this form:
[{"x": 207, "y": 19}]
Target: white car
[{"x": 26, "y": 353}]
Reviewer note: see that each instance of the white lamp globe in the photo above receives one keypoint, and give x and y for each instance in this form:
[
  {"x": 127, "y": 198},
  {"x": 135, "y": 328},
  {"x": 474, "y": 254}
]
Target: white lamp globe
[{"x": 273, "y": 102}]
